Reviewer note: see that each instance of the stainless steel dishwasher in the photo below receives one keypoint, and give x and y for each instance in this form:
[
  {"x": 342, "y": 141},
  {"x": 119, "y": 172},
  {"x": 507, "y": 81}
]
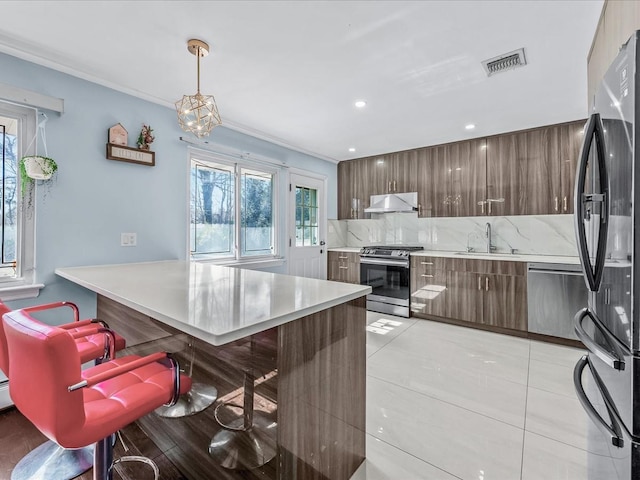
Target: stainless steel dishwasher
[{"x": 555, "y": 292}]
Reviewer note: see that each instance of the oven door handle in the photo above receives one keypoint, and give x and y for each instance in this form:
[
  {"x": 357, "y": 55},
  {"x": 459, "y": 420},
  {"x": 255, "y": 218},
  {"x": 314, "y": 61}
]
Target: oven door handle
[{"x": 380, "y": 261}]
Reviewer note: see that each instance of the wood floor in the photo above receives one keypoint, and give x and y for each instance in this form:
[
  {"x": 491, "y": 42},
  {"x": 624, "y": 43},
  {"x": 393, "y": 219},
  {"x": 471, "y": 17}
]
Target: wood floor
[{"x": 179, "y": 446}]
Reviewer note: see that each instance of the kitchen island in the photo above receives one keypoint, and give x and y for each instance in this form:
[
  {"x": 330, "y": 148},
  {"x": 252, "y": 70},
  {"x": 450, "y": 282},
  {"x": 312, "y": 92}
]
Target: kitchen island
[{"x": 316, "y": 332}]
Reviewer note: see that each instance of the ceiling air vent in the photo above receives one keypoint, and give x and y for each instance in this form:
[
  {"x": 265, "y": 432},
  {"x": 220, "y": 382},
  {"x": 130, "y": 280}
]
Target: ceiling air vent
[{"x": 505, "y": 62}]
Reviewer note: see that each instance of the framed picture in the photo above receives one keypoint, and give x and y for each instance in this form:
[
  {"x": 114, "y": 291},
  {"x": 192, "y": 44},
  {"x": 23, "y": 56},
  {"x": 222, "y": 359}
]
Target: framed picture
[{"x": 131, "y": 155}]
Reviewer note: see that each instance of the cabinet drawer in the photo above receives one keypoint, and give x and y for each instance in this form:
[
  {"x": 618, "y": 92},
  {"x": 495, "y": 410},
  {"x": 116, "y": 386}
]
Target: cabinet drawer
[
  {"x": 428, "y": 263},
  {"x": 487, "y": 266}
]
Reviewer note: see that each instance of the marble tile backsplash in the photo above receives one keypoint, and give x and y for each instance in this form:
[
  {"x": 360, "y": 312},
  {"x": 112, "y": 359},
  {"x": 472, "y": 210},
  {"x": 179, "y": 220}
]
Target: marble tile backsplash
[{"x": 526, "y": 234}]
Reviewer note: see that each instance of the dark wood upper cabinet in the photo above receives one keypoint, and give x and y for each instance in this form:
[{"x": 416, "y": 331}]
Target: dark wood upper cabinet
[
  {"x": 466, "y": 170},
  {"x": 345, "y": 190},
  {"x": 355, "y": 184},
  {"x": 530, "y": 172},
  {"x": 451, "y": 179},
  {"x": 432, "y": 182},
  {"x": 394, "y": 173},
  {"x": 518, "y": 174},
  {"x": 570, "y": 137}
]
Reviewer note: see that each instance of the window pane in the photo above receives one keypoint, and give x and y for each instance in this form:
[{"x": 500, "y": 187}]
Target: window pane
[
  {"x": 299, "y": 236},
  {"x": 298, "y": 216},
  {"x": 8, "y": 191},
  {"x": 212, "y": 210},
  {"x": 256, "y": 212},
  {"x": 306, "y": 217}
]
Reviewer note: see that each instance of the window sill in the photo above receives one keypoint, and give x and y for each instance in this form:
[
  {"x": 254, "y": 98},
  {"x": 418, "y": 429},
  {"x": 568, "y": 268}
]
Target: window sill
[
  {"x": 248, "y": 263},
  {"x": 10, "y": 292}
]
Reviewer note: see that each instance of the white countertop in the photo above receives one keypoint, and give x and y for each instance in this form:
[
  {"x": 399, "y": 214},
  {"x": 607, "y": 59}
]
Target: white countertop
[
  {"x": 216, "y": 304},
  {"x": 481, "y": 256}
]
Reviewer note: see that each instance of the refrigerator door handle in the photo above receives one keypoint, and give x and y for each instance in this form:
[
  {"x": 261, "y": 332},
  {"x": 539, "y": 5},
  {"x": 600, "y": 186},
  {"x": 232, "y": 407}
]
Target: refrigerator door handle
[
  {"x": 594, "y": 134},
  {"x": 614, "y": 431},
  {"x": 615, "y": 361}
]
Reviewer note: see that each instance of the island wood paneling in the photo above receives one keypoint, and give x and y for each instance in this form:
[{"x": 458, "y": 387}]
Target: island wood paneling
[
  {"x": 134, "y": 326},
  {"x": 321, "y": 393},
  {"x": 310, "y": 379}
]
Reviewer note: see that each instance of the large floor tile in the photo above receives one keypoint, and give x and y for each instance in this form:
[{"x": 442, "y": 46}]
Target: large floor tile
[
  {"x": 474, "y": 390},
  {"x": 555, "y": 378},
  {"x": 460, "y": 442},
  {"x": 473, "y": 337},
  {"x": 483, "y": 358},
  {"x": 382, "y": 328},
  {"x": 550, "y": 460},
  {"x": 561, "y": 418},
  {"x": 385, "y": 462},
  {"x": 556, "y": 354}
]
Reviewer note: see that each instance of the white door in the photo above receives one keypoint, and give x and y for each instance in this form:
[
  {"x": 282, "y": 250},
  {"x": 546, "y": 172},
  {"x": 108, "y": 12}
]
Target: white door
[{"x": 307, "y": 225}]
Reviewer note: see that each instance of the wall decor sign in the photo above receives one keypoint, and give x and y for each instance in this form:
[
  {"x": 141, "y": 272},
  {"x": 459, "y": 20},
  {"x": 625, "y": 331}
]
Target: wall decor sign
[
  {"x": 117, "y": 148},
  {"x": 131, "y": 155}
]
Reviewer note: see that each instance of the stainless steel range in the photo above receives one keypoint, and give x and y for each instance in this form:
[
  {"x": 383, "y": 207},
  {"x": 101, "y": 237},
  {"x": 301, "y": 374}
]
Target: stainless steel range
[{"x": 386, "y": 269}]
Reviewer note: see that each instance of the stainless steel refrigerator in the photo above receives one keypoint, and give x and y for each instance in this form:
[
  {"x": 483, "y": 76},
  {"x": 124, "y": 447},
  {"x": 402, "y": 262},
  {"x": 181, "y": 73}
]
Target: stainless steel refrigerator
[{"x": 607, "y": 214}]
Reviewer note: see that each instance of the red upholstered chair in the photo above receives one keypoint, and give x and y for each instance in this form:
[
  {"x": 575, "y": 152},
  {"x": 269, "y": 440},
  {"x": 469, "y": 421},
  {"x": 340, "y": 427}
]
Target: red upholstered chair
[
  {"x": 76, "y": 408},
  {"x": 92, "y": 344}
]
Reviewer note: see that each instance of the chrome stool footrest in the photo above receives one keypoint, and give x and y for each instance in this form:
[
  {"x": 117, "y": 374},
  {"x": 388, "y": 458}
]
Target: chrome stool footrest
[{"x": 137, "y": 458}]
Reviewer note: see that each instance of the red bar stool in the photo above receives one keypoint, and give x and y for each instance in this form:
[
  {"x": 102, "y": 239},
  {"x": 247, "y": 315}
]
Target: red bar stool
[
  {"x": 48, "y": 459},
  {"x": 76, "y": 408}
]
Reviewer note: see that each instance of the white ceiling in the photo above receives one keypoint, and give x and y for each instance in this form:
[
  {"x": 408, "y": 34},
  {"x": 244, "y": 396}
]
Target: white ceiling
[{"x": 290, "y": 71}]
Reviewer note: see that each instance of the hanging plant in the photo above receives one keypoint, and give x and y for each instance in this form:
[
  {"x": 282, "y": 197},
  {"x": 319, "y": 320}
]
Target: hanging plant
[{"x": 35, "y": 168}]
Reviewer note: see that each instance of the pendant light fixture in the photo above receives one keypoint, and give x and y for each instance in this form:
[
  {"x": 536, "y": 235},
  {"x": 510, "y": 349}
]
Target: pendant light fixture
[{"x": 198, "y": 113}]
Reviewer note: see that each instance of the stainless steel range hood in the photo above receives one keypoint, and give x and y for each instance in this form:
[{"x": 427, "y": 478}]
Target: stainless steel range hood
[{"x": 393, "y": 202}]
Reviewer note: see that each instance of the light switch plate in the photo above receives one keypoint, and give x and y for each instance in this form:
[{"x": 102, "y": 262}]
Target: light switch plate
[{"x": 128, "y": 239}]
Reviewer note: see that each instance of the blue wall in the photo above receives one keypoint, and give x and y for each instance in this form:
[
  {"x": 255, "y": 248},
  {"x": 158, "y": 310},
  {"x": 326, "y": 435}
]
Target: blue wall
[{"x": 80, "y": 216}]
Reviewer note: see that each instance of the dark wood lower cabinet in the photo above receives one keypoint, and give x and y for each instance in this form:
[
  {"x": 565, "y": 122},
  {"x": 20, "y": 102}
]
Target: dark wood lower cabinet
[
  {"x": 505, "y": 301},
  {"x": 428, "y": 286},
  {"x": 479, "y": 292},
  {"x": 343, "y": 267},
  {"x": 464, "y": 300}
]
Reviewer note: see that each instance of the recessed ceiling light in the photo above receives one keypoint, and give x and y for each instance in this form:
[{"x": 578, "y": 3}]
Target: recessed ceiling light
[
  {"x": 360, "y": 103},
  {"x": 470, "y": 126},
  {"x": 351, "y": 149}
]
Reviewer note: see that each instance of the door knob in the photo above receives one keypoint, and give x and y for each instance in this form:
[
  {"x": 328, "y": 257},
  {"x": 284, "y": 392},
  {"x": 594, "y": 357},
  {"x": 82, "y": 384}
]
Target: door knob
[{"x": 322, "y": 242}]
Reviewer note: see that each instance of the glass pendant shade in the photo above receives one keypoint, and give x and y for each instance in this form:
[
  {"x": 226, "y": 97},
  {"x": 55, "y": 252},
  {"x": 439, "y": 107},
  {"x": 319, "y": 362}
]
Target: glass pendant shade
[{"x": 198, "y": 113}]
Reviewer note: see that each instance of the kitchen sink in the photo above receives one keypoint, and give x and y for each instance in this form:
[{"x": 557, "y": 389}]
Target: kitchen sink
[{"x": 497, "y": 256}]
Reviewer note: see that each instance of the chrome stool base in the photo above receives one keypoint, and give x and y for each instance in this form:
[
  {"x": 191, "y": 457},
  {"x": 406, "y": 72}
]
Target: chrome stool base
[
  {"x": 50, "y": 460},
  {"x": 239, "y": 449},
  {"x": 194, "y": 401}
]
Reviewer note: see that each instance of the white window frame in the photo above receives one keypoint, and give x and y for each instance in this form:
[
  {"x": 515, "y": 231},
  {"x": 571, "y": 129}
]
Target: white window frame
[
  {"x": 273, "y": 259},
  {"x": 23, "y": 284}
]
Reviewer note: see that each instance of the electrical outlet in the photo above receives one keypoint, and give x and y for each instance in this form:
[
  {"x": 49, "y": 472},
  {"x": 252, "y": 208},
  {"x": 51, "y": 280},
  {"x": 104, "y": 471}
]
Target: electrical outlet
[{"x": 128, "y": 239}]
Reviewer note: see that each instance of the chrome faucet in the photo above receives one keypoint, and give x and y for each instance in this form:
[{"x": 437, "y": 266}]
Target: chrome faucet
[{"x": 487, "y": 232}]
